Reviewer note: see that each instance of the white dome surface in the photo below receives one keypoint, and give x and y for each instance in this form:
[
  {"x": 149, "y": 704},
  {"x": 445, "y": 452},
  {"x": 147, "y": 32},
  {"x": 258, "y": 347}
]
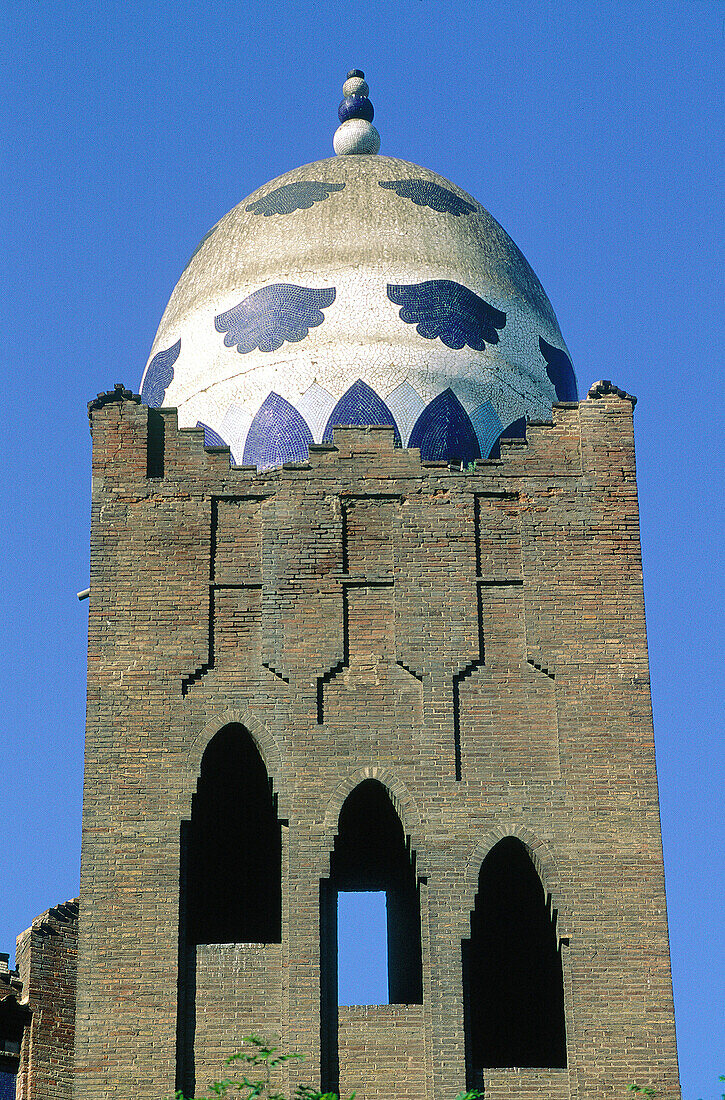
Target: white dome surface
[{"x": 362, "y": 270}]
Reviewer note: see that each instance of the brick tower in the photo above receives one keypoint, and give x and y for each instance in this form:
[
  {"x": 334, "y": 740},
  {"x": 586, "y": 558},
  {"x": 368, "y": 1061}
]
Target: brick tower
[{"x": 396, "y": 644}]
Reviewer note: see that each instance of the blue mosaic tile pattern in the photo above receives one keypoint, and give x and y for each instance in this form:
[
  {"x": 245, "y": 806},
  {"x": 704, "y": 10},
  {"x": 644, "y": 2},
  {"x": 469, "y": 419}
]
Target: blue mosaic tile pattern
[
  {"x": 560, "y": 371},
  {"x": 356, "y": 106},
  {"x": 211, "y": 438},
  {"x": 449, "y": 311},
  {"x": 444, "y": 432},
  {"x": 159, "y": 376},
  {"x": 8, "y": 1081},
  {"x": 360, "y": 405},
  {"x": 406, "y": 405},
  {"x": 487, "y": 426},
  {"x": 293, "y": 196},
  {"x": 427, "y": 193},
  {"x": 276, "y": 435},
  {"x": 315, "y": 405},
  {"x": 515, "y": 430},
  {"x": 234, "y": 428},
  {"x": 272, "y": 315}
]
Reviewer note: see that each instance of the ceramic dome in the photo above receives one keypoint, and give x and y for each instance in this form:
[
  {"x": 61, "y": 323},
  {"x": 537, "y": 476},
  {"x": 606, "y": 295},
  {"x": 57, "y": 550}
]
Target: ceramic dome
[{"x": 358, "y": 290}]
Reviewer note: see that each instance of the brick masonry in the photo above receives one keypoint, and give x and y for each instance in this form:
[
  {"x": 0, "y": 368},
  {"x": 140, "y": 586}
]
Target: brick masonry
[
  {"x": 475, "y": 640},
  {"x": 46, "y": 962}
]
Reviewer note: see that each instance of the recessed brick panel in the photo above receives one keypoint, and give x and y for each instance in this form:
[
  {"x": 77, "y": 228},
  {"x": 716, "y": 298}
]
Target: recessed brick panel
[{"x": 475, "y": 638}]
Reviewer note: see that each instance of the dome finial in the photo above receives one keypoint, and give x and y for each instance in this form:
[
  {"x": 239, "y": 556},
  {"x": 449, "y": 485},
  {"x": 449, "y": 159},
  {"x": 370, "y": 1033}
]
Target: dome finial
[{"x": 355, "y": 134}]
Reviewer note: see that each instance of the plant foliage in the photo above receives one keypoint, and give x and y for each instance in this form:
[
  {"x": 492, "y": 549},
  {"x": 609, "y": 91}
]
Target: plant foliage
[{"x": 254, "y": 1079}]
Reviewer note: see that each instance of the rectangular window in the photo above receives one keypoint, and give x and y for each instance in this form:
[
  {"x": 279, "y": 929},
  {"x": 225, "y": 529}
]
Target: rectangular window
[{"x": 362, "y": 948}]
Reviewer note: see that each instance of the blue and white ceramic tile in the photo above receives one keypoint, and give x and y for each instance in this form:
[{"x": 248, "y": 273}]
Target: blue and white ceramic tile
[
  {"x": 234, "y": 428},
  {"x": 360, "y": 405},
  {"x": 559, "y": 370},
  {"x": 487, "y": 426},
  {"x": 444, "y": 310},
  {"x": 289, "y": 296},
  {"x": 444, "y": 431},
  {"x": 211, "y": 438},
  {"x": 273, "y": 315},
  {"x": 316, "y": 405},
  {"x": 433, "y": 195},
  {"x": 293, "y": 196},
  {"x": 406, "y": 406},
  {"x": 159, "y": 375},
  {"x": 277, "y": 434}
]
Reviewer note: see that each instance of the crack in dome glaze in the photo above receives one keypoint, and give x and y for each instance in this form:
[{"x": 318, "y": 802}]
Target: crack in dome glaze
[{"x": 302, "y": 278}]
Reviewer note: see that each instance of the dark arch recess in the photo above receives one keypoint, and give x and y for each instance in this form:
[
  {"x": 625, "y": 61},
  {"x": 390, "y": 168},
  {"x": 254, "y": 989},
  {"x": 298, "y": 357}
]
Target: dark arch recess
[
  {"x": 370, "y": 853},
  {"x": 512, "y": 973},
  {"x": 232, "y": 847}
]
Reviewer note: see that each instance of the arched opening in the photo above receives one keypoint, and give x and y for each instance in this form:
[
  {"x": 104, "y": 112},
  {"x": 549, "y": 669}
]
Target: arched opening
[
  {"x": 512, "y": 973},
  {"x": 371, "y": 855},
  {"x": 230, "y": 883},
  {"x": 232, "y": 848}
]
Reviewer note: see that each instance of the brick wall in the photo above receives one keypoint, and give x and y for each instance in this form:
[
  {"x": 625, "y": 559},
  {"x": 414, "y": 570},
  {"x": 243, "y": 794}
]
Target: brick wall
[
  {"x": 474, "y": 640},
  {"x": 238, "y": 993},
  {"x": 382, "y": 1051},
  {"x": 46, "y": 961}
]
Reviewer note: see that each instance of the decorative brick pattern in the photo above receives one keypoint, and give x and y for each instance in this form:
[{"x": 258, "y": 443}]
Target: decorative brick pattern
[{"x": 388, "y": 581}]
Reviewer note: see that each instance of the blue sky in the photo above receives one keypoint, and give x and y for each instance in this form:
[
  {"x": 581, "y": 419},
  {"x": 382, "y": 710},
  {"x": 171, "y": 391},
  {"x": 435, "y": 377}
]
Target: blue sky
[{"x": 591, "y": 129}]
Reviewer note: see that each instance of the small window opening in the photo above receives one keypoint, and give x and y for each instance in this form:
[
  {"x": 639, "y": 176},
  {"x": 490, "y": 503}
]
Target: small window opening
[
  {"x": 372, "y": 856},
  {"x": 514, "y": 990},
  {"x": 362, "y": 948}
]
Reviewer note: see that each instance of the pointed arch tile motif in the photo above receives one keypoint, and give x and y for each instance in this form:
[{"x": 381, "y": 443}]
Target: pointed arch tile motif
[
  {"x": 315, "y": 406},
  {"x": 560, "y": 371},
  {"x": 211, "y": 438},
  {"x": 361, "y": 405},
  {"x": 406, "y": 405},
  {"x": 516, "y": 429},
  {"x": 444, "y": 431},
  {"x": 277, "y": 434},
  {"x": 487, "y": 426},
  {"x": 235, "y": 427}
]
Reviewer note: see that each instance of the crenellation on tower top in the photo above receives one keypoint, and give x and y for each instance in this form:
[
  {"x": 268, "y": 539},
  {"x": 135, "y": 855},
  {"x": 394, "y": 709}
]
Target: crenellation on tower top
[{"x": 367, "y": 617}]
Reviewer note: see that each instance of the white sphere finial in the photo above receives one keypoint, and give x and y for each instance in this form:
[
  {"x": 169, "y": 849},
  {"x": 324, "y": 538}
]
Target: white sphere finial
[{"x": 355, "y": 134}]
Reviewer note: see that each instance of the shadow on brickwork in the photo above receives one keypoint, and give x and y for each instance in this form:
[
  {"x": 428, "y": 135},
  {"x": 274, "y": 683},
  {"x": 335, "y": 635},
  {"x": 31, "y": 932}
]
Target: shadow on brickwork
[
  {"x": 512, "y": 972},
  {"x": 231, "y": 870},
  {"x": 371, "y": 853}
]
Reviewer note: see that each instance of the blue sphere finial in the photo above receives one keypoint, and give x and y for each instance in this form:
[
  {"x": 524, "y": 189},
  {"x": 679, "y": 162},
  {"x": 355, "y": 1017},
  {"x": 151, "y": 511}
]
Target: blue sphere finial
[{"x": 356, "y": 134}]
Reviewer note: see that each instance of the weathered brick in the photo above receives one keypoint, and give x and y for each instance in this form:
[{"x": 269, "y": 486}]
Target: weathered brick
[{"x": 473, "y": 640}]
